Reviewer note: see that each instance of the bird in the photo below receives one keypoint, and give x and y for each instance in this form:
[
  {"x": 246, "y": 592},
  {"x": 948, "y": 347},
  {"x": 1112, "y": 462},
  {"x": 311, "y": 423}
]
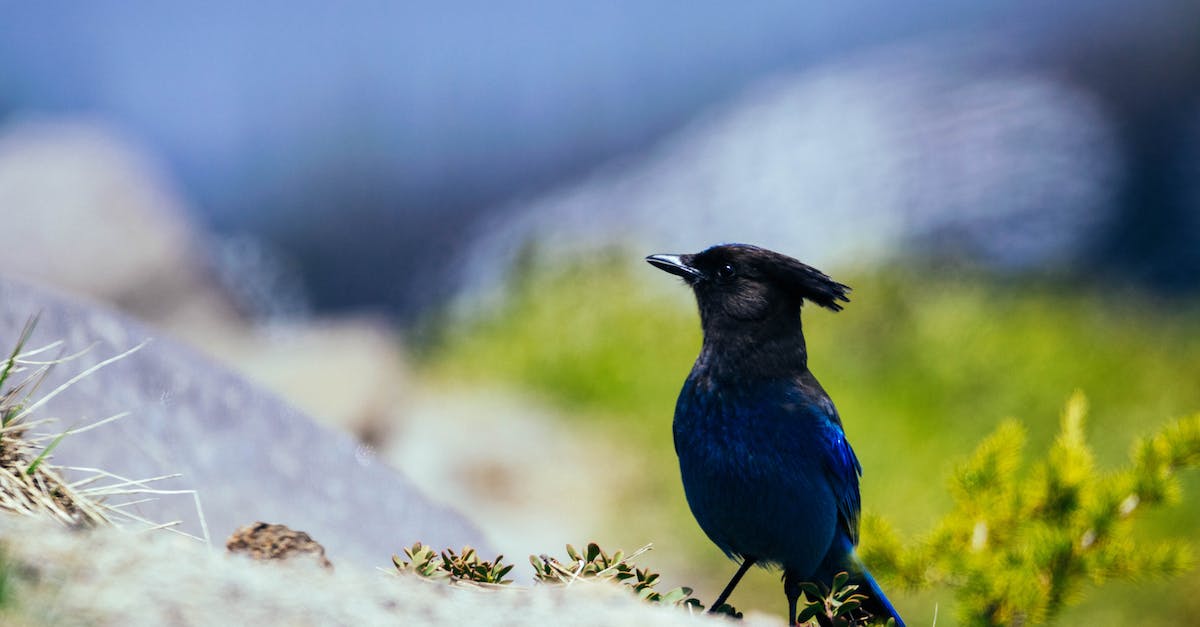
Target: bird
[{"x": 766, "y": 467}]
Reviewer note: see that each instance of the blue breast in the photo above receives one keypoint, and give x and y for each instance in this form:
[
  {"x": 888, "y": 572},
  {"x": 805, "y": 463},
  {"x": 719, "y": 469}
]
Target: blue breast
[{"x": 754, "y": 469}]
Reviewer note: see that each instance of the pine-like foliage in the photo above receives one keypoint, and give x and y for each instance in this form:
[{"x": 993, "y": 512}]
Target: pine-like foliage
[{"x": 1025, "y": 539}]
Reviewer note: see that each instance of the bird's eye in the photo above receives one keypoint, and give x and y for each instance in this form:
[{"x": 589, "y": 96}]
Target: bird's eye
[{"x": 725, "y": 273}]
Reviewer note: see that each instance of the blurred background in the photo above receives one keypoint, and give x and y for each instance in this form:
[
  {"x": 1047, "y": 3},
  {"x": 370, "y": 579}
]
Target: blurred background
[{"x": 424, "y": 222}]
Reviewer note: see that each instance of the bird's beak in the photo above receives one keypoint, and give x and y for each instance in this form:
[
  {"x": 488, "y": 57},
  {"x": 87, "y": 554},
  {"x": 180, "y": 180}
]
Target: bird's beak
[{"x": 675, "y": 264}]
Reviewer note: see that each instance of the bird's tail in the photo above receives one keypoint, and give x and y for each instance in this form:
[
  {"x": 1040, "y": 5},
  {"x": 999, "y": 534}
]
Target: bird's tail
[
  {"x": 843, "y": 558},
  {"x": 876, "y": 602}
]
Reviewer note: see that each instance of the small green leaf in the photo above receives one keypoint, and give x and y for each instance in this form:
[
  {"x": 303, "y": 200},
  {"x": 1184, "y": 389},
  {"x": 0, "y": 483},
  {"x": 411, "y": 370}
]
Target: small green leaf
[
  {"x": 673, "y": 597},
  {"x": 42, "y": 456},
  {"x": 808, "y": 613},
  {"x": 846, "y": 608}
]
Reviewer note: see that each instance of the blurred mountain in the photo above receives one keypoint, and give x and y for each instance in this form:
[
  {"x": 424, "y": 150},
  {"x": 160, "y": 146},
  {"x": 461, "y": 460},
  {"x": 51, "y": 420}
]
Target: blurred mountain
[
  {"x": 956, "y": 147},
  {"x": 366, "y": 141}
]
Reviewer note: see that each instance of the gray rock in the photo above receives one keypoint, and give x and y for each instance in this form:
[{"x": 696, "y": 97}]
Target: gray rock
[{"x": 249, "y": 455}]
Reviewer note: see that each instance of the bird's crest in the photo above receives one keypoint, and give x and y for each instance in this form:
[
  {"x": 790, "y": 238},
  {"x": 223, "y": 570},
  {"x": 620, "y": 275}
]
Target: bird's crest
[{"x": 812, "y": 284}]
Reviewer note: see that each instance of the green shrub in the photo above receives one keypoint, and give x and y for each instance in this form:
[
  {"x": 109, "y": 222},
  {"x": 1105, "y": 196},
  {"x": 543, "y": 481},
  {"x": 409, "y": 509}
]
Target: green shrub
[{"x": 1023, "y": 540}]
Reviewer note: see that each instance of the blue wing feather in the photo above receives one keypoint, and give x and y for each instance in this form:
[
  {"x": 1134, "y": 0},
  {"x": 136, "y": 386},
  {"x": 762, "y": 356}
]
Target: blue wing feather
[{"x": 843, "y": 470}]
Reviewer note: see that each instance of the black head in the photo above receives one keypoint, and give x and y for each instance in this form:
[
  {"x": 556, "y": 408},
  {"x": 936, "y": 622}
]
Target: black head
[{"x": 738, "y": 284}]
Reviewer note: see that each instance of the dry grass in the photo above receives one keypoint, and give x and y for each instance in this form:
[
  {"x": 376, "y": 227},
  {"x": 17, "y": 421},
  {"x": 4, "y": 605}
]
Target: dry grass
[{"x": 31, "y": 484}]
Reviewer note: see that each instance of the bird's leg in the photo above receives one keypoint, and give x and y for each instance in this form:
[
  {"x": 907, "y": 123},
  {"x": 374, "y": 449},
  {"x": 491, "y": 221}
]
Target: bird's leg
[
  {"x": 746, "y": 564},
  {"x": 791, "y": 588}
]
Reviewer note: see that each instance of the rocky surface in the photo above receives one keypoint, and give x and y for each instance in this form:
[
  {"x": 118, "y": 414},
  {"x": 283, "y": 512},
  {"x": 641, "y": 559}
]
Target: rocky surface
[
  {"x": 264, "y": 541},
  {"x": 111, "y": 577},
  {"x": 247, "y": 454},
  {"x": 350, "y": 372}
]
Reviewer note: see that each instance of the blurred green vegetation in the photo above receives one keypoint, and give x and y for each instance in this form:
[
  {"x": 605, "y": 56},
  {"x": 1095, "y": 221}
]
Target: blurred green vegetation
[
  {"x": 922, "y": 365},
  {"x": 1024, "y": 541},
  {"x": 6, "y": 581}
]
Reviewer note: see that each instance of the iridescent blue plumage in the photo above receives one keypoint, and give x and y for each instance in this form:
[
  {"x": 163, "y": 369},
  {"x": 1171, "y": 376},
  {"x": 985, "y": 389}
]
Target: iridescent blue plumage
[
  {"x": 766, "y": 466},
  {"x": 734, "y": 446}
]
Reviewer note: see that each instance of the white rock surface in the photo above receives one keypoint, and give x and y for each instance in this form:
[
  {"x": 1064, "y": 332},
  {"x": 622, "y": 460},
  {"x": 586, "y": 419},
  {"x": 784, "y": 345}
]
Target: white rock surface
[{"x": 110, "y": 577}]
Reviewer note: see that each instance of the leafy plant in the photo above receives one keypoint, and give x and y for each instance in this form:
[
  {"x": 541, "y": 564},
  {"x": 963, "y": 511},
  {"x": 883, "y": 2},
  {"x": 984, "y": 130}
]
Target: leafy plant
[
  {"x": 1022, "y": 542},
  {"x": 593, "y": 564},
  {"x": 465, "y": 567},
  {"x": 841, "y": 606}
]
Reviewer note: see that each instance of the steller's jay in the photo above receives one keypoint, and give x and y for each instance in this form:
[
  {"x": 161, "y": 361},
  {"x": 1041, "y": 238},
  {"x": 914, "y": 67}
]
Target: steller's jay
[{"x": 766, "y": 467}]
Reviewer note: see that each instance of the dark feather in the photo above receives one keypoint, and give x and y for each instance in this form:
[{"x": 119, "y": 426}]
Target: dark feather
[{"x": 812, "y": 284}]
